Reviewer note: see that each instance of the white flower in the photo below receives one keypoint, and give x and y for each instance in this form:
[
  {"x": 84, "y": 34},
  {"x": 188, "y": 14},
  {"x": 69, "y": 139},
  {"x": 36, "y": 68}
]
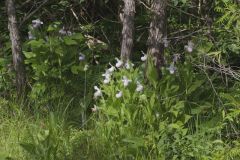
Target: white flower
[
  {"x": 31, "y": 36},
  {"x": 106, "y": 75},
  {"x": 144, "y": 57},
  {"x": 64, "y": 32},
  {"x": 189, "y": 47},
  {"x": 176, "y": 57},
  {"x": 126, "y": 81},
  {"x": 139, "y": 87},
  {"x": 69, "y": 33},
  {"x": 86, "y": 67},
  {"x": 172, "y": 69},
  {"x": 107, "y": 80},
  {"x": 119, "y": 94},
  {"x": 129, "y": 65},
  {"x": 111, "y": 69},
  {"x": 37, "y": 23},
  {"x": 165, "y": 42},
  {"x": 97, "y": 93},
  {"x": 119, "y": 63},
  {"x": 81, "y": 57},
  {"x": 157, "y": 114},
  {"x": 94, "y": 109}
]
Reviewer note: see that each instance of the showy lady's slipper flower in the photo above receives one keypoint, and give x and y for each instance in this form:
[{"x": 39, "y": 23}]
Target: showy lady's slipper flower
[
  {"x": 37, "y": 23},
  {"x": 94, "y": 109},
  {"x": 81, "y": 57},
  {"x": 107, "y": 76},
  {"x": 172, "y": 69},
  {"x": 107, "y": 80},
  {"x": 119, "y": 94},
  {"x": 144, "y": 57},
  {"x": 111, "y": 69},
  {"x": 64, "y": 32},
  {"x": 139, "y": 87},
  {"x": 129, "y": 65},
  {"x": 119, "y": 63},
  {"x": 86, "y": 67},
  {"x": 189, "y": 47},
  {"x": 97, "y": 93},
  {"x": 176, "y": 58},
  {"x": 126, "y": 81}
]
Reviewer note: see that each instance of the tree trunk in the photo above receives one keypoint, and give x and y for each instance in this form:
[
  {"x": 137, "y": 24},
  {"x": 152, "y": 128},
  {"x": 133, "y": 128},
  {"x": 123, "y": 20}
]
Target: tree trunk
[
  {"x": 128, "y": 28},
  {"x": 157, "y": 32},
  {"x": 18, "y": 61}
]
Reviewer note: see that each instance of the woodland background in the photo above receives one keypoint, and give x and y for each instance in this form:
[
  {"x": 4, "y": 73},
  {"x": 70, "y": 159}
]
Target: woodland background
[{"x": 119, "y": 79}]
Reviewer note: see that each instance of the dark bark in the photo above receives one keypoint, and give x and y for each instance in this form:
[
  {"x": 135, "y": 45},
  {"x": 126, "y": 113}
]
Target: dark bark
[
  {"x": 128, "y": 29},
  {"x": 18, "y": 61},
  {"x": 157, "y": 32}
]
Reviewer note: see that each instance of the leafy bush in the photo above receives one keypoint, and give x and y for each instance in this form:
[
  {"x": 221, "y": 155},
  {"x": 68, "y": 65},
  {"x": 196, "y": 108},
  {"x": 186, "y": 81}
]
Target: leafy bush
[
  {"x": 57, "y": 61},
  {"x": 162, "y": 119}
]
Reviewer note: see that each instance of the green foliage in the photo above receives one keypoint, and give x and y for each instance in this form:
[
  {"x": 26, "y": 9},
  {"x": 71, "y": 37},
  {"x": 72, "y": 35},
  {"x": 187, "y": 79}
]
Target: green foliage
[
  {"x": 227, "y": 29},
  {"x": 191, "y": 112},
  {"x": 164, "y": 121},
  {"x": 47, "y": 142},
  {"x": 54, "y": 65}
]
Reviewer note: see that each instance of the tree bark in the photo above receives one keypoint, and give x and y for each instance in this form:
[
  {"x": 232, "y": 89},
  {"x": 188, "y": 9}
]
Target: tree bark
[
  {"x": 128, "y": 29},
  {"x": 157, "y": 32},
  {"x": 18, "y": 60}
]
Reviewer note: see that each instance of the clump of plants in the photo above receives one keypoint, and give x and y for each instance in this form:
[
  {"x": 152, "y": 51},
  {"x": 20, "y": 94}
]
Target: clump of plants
[{"x": 137, "y": 115}]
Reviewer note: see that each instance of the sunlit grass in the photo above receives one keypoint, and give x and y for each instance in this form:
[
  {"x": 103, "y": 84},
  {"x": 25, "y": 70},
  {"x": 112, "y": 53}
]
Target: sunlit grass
[{"x": 13, "y": 127}]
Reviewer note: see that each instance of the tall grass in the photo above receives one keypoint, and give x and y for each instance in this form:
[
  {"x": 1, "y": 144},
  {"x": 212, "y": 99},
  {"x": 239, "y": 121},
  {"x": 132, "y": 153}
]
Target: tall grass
[
  {"x": 13, "y": 127},
  {"x": 25, "y": 135}
]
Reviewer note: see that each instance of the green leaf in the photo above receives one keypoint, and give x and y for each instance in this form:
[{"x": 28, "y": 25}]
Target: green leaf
[
  {"x": 36, "y": 43},
  {"x": 51, "y": 28},
  {"x": 194, "y": 86},
  {"x": 152, "y": 100},
  {"x": 205, "y": 47},
  {"x": 69, "y": 41},
  {"x": 174, "y": 126},
  {"x": 201, "y": 109},
  {"x": 76, "y": 69},
  {"x": 78, "y": 36},
  {"x": 231, "y": 99},
  {"x": 186, "y": 118},
  {"x": 29, "y": 54},
  {"x": 184, "y": 1},
  {"x": 112, "y": 111}
]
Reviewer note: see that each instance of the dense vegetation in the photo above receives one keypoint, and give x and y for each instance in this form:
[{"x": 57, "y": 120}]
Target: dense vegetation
[{"x": 86, "y": 90}]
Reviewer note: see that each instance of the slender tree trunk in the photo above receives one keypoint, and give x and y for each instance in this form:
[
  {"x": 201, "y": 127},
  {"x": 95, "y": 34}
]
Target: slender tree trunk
[
  {"x": 128, "y": 29},
  {"x": 18, "y": 61},
  {"x": 157, "y": 32}
]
